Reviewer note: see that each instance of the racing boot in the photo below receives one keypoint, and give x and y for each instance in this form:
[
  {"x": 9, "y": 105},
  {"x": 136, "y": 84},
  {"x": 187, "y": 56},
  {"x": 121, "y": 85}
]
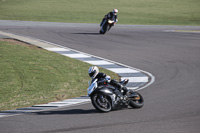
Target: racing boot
[
  {"x": 126, "y": 91},
  {"x": 119, "y": 94}
]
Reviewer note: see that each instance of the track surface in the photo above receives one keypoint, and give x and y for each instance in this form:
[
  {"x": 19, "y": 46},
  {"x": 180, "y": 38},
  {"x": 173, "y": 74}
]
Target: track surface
[{"x": 172, "y": 102}]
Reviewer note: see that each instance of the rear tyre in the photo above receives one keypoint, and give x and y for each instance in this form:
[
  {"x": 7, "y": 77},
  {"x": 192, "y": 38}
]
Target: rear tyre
[
  {"x": 138, "y": 102},
  {"x": 101, "y": 102}
]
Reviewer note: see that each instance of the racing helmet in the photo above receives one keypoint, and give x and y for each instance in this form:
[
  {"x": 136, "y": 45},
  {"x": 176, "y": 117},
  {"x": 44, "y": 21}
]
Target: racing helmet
[
  {"x": 115, "y": 11},
  {"x": 93, "y": 71}
]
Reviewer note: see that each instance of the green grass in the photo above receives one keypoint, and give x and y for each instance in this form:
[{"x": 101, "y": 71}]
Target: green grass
[
  {"x": 29, "y": 76},
  {"x": 153, "y": 12}
]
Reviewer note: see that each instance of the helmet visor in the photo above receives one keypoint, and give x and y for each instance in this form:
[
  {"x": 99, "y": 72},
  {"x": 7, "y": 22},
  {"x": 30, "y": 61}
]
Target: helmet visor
[
  {"x": 92, "y": 73},
  {"x": 115, "y": 11}
]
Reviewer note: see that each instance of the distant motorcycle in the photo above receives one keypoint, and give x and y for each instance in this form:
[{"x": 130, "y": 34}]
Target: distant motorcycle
[
  {"x": 106, "y": 98},
  {"x": 106, "y": 26}
]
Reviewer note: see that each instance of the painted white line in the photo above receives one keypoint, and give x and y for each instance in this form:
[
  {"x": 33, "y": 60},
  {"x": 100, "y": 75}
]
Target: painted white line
[
  {"x": 63, "y": 103},
  {"x": 77, "y": 100},
  {"x": 133, "y": 88},
  {"x": 169, "y": 30},
  {"x": 60, "y": 102},
  {"x": 123, "y": 70},
  {"x": 57, "y": 49},
  {"x": 8, "y": 114},
  {"x": 77, "y": 55},
  {"x": 54, "y": 47},
  {"x": 102, "y": 62},
  {"x": 49, "y": 105},
  {"x": 66, "y": 102},
  {"x": 74, "y": 103},
  {"x": 17, "y": 111},
  {"x": 45, "y": 44},
  {"x": 183, "y": 31},
  {"x": 136, "y": 79}
]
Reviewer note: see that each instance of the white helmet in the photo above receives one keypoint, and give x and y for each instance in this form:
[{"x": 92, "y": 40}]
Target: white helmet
[
  {"x": 115, "y": 11},
  {"x": 93, "y": 71}
]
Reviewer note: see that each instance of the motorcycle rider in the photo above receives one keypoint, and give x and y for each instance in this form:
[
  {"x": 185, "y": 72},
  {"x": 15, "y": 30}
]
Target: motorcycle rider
[
  {"x": 111, "y": 15},
  {"x": 102, "y": 77}
]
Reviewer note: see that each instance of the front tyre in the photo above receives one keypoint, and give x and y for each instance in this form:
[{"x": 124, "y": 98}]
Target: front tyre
[
  {"x": 101, "y": 32},
  {"x": 137, "y": 102},
  {"x": 104, "y": 28},
  {"x": 101, "y": 102}
]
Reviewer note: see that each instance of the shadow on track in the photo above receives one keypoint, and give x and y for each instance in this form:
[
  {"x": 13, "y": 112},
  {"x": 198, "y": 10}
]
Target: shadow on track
[
  {"x": 67, "y": 112},
  {"x": 88, "y": 33}
]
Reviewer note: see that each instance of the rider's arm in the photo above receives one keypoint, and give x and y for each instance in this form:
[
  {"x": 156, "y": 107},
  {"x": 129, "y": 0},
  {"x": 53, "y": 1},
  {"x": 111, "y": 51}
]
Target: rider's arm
[
  {"x": 116, "y": 20},
  {"x": 101, "y": 75},
  {"x": 108, "y": 16},
  {"x": 103, "y": 78}
]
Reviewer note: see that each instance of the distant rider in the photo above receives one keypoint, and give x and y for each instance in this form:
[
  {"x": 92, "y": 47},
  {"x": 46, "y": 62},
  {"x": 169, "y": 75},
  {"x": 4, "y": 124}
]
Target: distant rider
[
  {"x": 111, "y": 15},
  {"x": 102, "y": 77}
]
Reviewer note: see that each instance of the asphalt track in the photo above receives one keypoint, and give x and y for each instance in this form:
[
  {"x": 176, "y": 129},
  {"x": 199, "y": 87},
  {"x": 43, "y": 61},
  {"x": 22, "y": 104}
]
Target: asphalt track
[{"x": 170, "y": 53}]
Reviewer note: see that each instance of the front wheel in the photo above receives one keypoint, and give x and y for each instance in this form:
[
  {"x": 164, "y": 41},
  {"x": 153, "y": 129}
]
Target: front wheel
[
  {"x": 101, "y": 32},
  {"x": 101, "y": 102},
  {"x": 137, "y": 102},
  {"x": 104, "y": 28}
]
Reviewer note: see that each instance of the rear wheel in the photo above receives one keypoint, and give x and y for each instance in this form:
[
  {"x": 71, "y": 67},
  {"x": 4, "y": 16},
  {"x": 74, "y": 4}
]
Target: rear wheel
[
  {"x": 101, "y": 102},
  {"x": 137, "y": 102}
]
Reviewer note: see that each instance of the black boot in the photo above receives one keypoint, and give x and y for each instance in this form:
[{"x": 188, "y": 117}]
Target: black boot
[
  {"x": 126, "y": 91},
  {"x": 119, "y": 94}
]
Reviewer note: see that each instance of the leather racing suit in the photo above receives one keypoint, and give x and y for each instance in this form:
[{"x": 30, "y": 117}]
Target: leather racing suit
[
  {"x": 102, "y": 77},
  {"x": 110, "y": 16}
]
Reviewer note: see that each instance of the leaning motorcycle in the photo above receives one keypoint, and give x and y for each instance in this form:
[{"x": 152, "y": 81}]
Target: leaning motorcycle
[
  {"x": 105, "y": 97},
  {"x": 106, "y": 26}
]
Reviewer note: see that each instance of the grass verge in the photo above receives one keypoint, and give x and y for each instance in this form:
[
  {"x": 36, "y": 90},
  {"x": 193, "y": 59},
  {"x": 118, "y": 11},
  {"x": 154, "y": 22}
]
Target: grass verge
[
  {"x": 153, "y": 12},
  {"x": 30, "y": 75}
]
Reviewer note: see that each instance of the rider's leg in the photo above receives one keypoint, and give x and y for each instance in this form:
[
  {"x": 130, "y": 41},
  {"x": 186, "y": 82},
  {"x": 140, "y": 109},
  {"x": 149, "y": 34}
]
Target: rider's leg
[
  {"x": 119, "y": 86},
  {"x": 102, "y": 21}
]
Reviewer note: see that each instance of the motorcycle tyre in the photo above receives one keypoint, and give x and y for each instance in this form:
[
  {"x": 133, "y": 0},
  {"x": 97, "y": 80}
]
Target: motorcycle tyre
[
  {"x": 105, "y": 27},
  {"x": 101, "y": 32},
  {"x": 100, "y": 109},
  {"x": 137, "y": 104}
]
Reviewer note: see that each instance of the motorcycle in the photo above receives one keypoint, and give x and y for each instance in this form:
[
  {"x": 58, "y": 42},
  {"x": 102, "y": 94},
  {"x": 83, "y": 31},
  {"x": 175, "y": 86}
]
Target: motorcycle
[
  {"x": 105, "y": 97},
  {"x": 106, "y": 26}
]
